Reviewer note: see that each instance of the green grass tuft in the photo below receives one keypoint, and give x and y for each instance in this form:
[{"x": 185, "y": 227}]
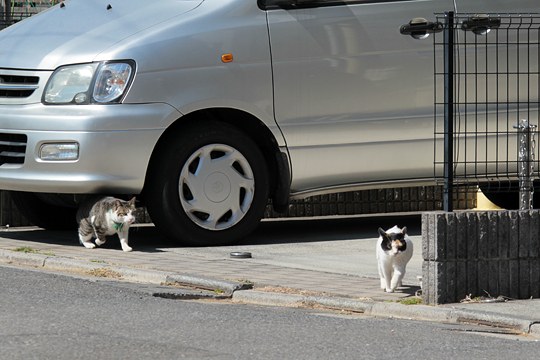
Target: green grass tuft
[
  {"x": 29, "y": 250},
  {"x": 411, "y": 301}
]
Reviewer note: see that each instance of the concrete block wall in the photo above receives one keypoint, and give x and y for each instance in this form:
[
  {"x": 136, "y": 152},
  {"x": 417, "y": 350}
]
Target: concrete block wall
[{"x": 480, "y": 253}]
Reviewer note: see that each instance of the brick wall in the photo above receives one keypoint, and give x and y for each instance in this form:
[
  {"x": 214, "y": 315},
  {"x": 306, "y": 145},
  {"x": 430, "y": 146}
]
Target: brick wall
[
  {"x": 410, "y": 199},
  {"x": 349, "y": 203}
]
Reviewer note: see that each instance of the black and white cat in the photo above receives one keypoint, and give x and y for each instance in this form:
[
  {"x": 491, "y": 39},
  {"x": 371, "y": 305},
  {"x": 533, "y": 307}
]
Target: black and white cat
[
  {"x": 107, "y": 216},
  {"x": 394, "y": 250}
]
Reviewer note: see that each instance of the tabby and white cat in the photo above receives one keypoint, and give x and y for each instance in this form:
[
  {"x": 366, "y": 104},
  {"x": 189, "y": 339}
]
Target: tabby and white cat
[
  {"x": 394, "y": 250},
  {"x": 107, "y": 216}
]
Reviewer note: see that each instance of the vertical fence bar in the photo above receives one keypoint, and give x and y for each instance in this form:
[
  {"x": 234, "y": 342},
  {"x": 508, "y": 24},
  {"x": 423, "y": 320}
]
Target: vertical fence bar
[
  {"x": 448, "y": 44},
  {"x": 7, "y": 11}
]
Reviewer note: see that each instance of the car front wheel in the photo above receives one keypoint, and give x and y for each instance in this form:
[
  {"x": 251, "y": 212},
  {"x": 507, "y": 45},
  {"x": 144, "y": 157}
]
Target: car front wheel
[{"x": 209, "y": 186}]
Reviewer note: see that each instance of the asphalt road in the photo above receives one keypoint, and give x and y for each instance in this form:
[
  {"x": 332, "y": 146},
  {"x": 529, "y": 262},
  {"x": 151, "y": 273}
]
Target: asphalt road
[{"x": 52, "y": 316}]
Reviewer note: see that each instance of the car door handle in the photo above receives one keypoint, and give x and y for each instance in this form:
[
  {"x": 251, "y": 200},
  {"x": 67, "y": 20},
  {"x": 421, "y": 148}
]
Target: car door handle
[
  {"x": 420, "y": 28},
  {"x": 480, "y": 24}
]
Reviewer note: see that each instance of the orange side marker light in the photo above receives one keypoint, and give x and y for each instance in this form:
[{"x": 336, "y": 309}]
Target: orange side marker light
[{"x": 227, "y": 58}]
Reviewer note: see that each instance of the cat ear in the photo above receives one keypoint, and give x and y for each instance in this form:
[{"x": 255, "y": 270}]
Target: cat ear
[
  {"x": 117, "y": 203},
  {"x": 404, "y": 230},
  {"x": 386, "y": 242},
  {"x": 132, "y": 202}
]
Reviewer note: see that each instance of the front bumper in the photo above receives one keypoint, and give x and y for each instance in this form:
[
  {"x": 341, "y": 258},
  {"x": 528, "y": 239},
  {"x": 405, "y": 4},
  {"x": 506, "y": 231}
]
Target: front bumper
[{"x": 115, "y": 146}]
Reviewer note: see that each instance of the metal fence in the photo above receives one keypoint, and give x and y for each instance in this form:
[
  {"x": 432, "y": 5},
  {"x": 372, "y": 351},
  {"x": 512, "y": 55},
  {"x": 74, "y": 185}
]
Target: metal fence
[
  {"x": 486, "y": 106},
  {"x": 12, "y": 12}
]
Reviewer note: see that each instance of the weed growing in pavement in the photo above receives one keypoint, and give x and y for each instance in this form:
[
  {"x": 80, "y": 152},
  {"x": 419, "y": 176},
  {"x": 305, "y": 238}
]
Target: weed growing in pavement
[
  {"x": 29, "y": 250},
  {"x": 411, "y": 301},
  {"x": 98, "y": 261},
  {"x": 105, "y": 273}
]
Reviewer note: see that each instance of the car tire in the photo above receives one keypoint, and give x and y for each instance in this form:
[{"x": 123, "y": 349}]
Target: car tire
[
  {"x": 45, "y": 210},
  {"x": 208, "y": 185}
]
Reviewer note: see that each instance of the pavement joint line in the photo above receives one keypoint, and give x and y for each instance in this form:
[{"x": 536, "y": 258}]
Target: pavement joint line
[{"x": 244, "y": 293}]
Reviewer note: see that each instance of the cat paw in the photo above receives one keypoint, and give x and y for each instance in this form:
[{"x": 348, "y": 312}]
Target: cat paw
[
  {"x": 89, "y": 245},
  {"x": 389, "y": 290},
  {"x": 100, "y": 242},
  {"x": 127, "y": 248}
]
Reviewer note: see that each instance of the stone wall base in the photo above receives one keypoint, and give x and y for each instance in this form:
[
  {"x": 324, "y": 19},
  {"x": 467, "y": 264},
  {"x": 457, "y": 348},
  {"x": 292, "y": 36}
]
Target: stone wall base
[{"x": 480, "y": 253}]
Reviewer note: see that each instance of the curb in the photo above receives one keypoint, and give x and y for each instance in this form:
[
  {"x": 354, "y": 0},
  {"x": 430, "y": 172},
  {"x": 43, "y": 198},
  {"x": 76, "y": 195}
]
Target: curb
[
  {"x": 390, "y": 310},
  {"x": 228, "y": 287},
  {"x": 126, "y": 273},
  {"x": 244, "y": 293},
  {"x": 535, "y": 329}
]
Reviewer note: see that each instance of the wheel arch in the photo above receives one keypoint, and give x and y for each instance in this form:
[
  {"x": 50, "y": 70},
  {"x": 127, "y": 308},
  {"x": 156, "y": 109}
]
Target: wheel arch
[{"x": 277, "y": 162}]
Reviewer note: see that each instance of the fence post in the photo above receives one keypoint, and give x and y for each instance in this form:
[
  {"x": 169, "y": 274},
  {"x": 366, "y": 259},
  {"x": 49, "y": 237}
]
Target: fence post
[
  {"x": 526, "y": 163},
  {"x": 448, "y": 39}
]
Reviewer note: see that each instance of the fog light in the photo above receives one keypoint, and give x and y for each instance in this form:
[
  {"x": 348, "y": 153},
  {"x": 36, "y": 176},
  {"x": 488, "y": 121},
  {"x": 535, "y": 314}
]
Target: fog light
[{"x": 61, "y": 151}]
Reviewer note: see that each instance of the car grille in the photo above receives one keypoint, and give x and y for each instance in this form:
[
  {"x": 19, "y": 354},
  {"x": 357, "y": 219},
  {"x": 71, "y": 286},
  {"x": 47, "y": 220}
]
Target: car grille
[
  {"x": 12, "y": 148},
  {"x": 16, "y": 86}
]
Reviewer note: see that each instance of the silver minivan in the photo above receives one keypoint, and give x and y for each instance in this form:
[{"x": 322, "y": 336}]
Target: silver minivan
[{"x": 206, "y": 109}]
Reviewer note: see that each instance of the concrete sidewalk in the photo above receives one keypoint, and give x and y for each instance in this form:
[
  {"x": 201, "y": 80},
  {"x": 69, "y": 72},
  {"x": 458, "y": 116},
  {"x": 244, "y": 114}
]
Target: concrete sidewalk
[{"x": 336, "y": 271}]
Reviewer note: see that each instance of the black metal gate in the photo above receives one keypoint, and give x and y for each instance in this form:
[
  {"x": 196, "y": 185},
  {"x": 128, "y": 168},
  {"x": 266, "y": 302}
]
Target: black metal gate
[{"x": 486, "y": 99}]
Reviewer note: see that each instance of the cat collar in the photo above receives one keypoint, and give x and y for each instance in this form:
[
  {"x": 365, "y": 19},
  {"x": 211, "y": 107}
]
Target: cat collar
[{"x": 118, "y": 226}]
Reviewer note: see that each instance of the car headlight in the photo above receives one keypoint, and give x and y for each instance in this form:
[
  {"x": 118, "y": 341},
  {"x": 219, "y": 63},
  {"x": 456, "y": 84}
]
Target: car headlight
[
  {"x": 69, "y": 82},
  {"x": 89, "y": 83}
]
